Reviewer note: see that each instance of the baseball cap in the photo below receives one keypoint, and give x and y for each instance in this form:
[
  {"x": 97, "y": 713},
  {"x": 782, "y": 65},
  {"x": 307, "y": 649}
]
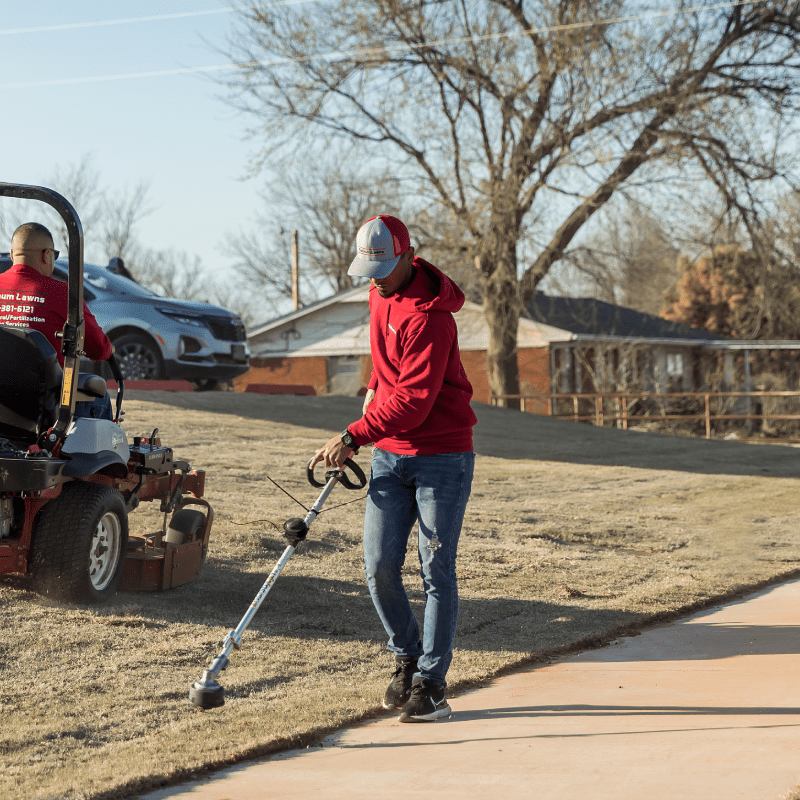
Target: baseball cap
[{"x": 380, "y": 243}]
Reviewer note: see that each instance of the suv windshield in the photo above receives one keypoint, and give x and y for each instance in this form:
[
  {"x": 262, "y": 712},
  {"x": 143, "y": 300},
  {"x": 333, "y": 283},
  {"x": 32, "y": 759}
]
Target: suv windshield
[{"x": 104, "y": 280}]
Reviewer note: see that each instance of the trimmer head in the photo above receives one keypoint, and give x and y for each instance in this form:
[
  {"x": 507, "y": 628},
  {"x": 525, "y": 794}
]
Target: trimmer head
[{"x": 207, "y": 693}]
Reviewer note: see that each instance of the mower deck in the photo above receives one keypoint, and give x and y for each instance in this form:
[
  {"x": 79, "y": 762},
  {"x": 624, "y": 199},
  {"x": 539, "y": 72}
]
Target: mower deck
[{"x": 152, "y": 563}]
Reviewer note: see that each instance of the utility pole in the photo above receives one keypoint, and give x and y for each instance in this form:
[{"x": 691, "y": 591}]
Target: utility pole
[{"x": 295, "y": 272}]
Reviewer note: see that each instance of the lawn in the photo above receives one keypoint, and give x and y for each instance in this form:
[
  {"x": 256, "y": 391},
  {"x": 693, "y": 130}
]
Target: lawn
[{"x": 574, "y": 535}]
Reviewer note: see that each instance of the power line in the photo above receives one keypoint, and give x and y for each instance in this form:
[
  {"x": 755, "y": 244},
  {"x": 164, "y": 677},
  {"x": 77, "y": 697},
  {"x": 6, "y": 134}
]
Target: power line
[
  {"x": 367, "y": 51},
  {"x": 66, "y": 26}
]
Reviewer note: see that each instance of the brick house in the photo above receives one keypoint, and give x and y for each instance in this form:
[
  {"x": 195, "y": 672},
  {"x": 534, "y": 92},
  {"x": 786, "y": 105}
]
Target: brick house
[
  {"x": 324, "y": 348},
  {"x": 564, "y": 345}
]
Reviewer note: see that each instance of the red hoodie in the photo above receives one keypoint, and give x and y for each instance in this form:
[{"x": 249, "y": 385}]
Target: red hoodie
[
  {"x": 29, "y": 299},
  {"x": 421, "y": 405}
]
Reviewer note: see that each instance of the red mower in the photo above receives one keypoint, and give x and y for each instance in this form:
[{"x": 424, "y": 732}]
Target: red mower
[{"x": 67, "y": 484}]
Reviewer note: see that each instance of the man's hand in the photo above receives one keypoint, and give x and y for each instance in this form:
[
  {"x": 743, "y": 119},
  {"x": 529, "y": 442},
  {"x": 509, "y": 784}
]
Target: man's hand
[
  {"x": 368, "y": 398},
  {"x": 333, "y": 453}
]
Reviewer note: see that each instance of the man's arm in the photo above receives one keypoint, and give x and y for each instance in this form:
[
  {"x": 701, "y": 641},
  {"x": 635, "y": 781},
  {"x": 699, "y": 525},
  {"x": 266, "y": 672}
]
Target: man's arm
[
  {"x": 368, "y": 398},
  {"x": 96, "y": 344},
  {"x": 426, "y": 350}
]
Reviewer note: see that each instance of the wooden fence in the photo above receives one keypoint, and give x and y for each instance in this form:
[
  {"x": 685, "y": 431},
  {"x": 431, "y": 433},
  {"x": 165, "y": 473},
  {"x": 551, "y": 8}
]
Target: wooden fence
[{"x": 624, "y": 409}]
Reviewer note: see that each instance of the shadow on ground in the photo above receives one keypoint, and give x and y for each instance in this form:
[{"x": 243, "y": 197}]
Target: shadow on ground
[
  {"x": 315, "y": 609},
  {"x": 505, "y": 433}
]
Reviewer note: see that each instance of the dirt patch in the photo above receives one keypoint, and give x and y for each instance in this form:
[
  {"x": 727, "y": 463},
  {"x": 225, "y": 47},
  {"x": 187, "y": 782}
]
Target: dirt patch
[{"x": 574, "y": 534}]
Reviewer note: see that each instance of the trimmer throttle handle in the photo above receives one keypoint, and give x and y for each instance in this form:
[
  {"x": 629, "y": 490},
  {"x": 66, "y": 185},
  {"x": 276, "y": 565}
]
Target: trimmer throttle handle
[{"x": 343, "y": 478}]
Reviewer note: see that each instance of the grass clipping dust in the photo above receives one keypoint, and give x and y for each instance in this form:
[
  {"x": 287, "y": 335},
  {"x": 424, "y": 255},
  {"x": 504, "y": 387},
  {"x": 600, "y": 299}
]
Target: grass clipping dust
[{"x": 573, "y": 534}]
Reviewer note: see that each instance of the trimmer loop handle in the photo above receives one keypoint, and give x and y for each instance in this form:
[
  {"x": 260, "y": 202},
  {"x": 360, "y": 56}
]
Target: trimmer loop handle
[{"x": 342, "y": 475}]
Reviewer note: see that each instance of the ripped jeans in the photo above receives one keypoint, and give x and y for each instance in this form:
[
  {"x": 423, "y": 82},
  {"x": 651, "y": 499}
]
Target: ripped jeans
[{"x": 433, "y": 491}]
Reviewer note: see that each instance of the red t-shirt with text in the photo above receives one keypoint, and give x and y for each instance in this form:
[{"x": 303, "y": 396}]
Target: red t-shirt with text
[{"x": 29, "y": 299}]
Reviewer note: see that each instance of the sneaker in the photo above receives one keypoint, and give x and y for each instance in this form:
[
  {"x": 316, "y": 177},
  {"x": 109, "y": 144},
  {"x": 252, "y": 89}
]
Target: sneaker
[
  {"x": 400, "y": 688},
  {"x": 428, "y": 702}
]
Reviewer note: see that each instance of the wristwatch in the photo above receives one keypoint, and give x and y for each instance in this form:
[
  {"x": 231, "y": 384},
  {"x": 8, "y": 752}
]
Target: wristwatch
[{"x": 349, "y": 441}]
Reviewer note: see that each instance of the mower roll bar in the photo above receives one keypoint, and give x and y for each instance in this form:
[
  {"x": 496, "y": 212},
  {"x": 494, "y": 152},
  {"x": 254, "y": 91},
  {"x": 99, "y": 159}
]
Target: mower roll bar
[{"x": 72, "y": 335}]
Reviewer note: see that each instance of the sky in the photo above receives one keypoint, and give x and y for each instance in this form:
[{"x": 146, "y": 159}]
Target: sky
[{"x": 93, "y": 77}]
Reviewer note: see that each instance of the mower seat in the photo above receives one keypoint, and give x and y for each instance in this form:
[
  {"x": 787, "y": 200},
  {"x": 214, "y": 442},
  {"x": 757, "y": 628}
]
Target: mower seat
[
  {"x": 90, "y": 387},
  {"x": 30, "y": 384}
]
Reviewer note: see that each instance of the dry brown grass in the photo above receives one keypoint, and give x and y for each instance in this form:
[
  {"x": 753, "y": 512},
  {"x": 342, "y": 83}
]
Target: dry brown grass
[{"x": 573, "y": 534}]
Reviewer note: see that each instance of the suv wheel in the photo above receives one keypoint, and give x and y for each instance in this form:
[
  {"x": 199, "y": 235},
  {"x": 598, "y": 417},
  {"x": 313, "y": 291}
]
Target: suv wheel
[{"x": 138, "y": 358}]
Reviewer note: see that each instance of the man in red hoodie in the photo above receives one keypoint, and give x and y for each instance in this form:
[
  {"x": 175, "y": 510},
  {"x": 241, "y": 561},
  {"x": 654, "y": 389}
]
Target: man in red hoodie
[{"x": 417, "y": 414}]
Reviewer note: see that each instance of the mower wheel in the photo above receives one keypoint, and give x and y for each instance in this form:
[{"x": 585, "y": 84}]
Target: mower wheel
[
  {"x": 80, "y": 542},
  {"x": 186, "y": 525}
]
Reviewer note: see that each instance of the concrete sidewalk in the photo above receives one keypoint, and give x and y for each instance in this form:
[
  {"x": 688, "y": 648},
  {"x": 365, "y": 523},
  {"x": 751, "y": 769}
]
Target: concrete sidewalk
[{"x": 705, "y": 708}]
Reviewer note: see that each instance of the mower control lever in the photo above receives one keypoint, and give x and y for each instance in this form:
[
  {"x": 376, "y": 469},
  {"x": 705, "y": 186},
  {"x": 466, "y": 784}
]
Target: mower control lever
[
  {"x": 113, "y": 365},
  {"x": 340, "y": 475}
]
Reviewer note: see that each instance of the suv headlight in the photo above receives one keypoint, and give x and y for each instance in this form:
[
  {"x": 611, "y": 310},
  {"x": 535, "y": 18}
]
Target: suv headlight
[{"x": 185, "y": 317}]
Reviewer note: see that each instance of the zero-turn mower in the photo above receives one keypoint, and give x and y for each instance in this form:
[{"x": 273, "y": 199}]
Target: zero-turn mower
[{"x": 67, "y": 483}]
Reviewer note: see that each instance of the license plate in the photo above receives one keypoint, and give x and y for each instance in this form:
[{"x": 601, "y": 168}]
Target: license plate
[{"x": 238, "y": 352}]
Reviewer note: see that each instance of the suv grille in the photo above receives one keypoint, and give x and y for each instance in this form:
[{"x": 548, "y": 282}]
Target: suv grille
[{"x": 228, "y": 329}]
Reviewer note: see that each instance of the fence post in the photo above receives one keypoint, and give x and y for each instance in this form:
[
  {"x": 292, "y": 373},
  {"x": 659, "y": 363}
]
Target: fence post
[
  {"x": 598, "y": 410},
  {"x": 624, "y": 412},
  {"x": 708, "y": 416}
]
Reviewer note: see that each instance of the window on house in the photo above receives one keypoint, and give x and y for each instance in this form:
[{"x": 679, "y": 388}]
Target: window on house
[
  {"x": 344, "y": 374},
  {"x": 675, "y": 372},
  {"x": 564, "y": 380}
]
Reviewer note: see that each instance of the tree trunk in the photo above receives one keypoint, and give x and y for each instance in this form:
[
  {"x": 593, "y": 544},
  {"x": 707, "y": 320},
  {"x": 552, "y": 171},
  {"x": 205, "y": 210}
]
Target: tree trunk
[{"x": 502, "y": 310}]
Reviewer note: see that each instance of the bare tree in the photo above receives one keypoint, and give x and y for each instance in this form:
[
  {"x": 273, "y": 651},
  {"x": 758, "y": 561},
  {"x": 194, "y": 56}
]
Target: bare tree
[
  {"x": 120, "y": 214},
  {"x": 331, "y": 203},
  {"x": 530, "y": 112},
  {"x": 108, "y": 218},
  {"x": 79, "y": 182},
  {"x": 630, "y": 259},
  {"x": 263, "y": 258},
  {"x": 326, "y": 203},
  {"x": 745, "y": 285}
]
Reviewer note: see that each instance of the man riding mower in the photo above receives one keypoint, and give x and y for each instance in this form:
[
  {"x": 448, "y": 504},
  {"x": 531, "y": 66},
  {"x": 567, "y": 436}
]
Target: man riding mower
[{"x": 68, "y": 483}]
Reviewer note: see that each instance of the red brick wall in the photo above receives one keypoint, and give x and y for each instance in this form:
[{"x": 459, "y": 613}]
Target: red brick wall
[
  {"x": 474, "y": 362},
  {"x": 534, "y": 376},
  {"x": 534, "y": 373},
  {"x": 311, "y": 371}
]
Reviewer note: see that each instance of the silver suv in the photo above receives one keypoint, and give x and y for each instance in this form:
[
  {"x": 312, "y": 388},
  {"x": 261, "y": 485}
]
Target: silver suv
[{"x": 160, "y": 337}]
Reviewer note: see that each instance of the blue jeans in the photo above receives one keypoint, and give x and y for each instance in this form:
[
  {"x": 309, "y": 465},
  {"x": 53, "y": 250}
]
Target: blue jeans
[{"x": 431, "y": 490}]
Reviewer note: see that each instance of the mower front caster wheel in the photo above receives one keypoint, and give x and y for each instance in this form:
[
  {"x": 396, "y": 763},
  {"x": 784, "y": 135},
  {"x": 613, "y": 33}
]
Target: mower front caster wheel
[{"x": 185, "y": 526}]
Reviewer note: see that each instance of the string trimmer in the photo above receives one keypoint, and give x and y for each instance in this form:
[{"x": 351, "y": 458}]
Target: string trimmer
[{"x": 207, "y": 693}]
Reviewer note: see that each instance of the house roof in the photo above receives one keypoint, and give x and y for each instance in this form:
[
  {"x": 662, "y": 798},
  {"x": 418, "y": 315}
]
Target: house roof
[
  {"x": 339, "y": 325},
  {"x": 585, "y": 316},
  {"x": 359, "y": 294}
]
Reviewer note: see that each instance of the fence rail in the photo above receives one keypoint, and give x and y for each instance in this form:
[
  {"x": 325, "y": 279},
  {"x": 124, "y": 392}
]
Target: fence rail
[{"x": 622, "y": 409}]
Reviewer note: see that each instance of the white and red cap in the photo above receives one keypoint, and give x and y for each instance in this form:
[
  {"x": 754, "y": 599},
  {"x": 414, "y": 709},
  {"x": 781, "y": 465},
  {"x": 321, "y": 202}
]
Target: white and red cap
[{"x": 380, "y": 243}]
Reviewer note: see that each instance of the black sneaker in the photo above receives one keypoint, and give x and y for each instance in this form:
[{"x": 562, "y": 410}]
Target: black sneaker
[
  {"x": 428, "y": 702},
  {"x": 400, "y": 688}
]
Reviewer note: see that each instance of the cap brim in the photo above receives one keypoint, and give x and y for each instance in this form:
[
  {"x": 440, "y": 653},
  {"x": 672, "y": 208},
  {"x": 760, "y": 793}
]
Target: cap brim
[{"x": 365, "y": 268}]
